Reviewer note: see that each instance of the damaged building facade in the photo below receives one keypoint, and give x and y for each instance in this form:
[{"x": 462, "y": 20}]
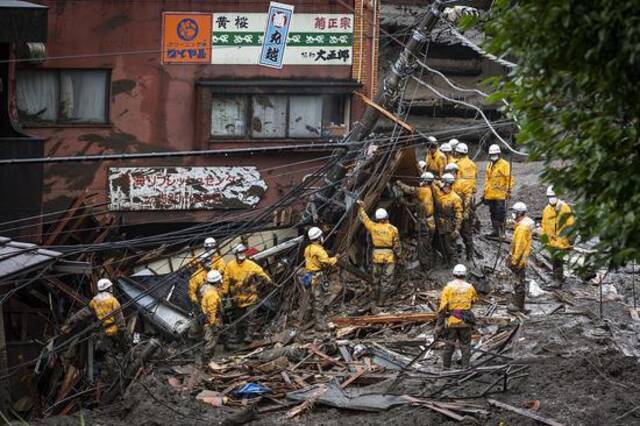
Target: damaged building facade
[{"x": 168, "y": 77}]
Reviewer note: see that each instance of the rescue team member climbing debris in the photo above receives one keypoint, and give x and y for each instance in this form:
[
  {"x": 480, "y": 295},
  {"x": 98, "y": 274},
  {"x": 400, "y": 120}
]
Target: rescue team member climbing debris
[
  {"x": 519, "y": 254},
  {"x": 455, "y": 318},
  {"x": 497, "y": 189},
  {"x": 427, "y": 223},
  {"x": 242, "y": 280},
  {"x": 557, "y": 217},
  {"x": 386, "y": 250},
  {"x": 465, "y": 192},
  {"x": 317, "y": 265},
  {"x": 113, "y": 338},
  {"x": 449, "y": 213},
  {"x": 436, "y": 160},
  {"x": 211, "y": 306}
]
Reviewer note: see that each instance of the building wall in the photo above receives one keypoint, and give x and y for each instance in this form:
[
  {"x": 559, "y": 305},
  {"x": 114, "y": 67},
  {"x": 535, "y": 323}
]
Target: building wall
[{"x": 155, "y": 107}]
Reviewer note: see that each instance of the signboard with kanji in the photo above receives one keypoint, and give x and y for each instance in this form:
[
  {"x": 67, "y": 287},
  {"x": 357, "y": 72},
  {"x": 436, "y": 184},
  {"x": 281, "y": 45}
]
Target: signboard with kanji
[
  {"x": 313, "y": 39},
  {"x": 186, "y": 38},
  {"x": 274, "y": 41},
  {"x": 184, "y": 188}
]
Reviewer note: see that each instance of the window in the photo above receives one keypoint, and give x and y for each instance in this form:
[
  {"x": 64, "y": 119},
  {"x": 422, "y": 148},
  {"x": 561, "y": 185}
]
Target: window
[
  {"x": 278, "y": 116},
  {"x": 62, "y": 96}
]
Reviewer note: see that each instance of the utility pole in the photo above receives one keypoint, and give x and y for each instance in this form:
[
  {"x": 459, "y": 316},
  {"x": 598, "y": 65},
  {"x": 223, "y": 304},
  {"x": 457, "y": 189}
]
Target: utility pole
[{"x": 401, "y": 70}]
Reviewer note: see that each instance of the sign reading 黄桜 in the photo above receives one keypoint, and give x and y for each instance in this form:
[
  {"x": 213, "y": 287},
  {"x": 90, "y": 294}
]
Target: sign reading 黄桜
[
  {"x": 184, "y": 188},
  {"x": 186, "y": 38},
  {"x": 313, "y": 39},
  {"x": 275, "y": 36}
]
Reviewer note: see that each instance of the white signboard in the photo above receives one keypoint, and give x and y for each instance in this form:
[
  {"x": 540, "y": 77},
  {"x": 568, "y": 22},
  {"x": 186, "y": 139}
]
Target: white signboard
[
  {"x": 314, "y": 39},
  {"x": 184, "y": 188}
]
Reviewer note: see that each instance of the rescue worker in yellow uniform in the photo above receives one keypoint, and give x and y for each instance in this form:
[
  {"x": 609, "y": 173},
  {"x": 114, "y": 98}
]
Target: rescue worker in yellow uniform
[
  {"x": 449, "y": 215},
  {"x": 211, "y": 306},
  {"x": 114, "y": 337},
  {"x": 497, "y": 189},
  {"x": 386, "y": 250},
  {"x": 317, "y": 264},
  {"x": 427, "y": 223},
  {"x": 198, "y": 279},
  {"x": 455, "y": 319},
  {"x": 435, "y": 159},
  {"x": 446, "y": 149},
  {"x": 212, "y": 250},
  {"x": 557, "y": 218},
  {"x": 452, "y": 157},
  {"x": 242, "y": 279},
  {"x": 519, "y": 254},
  {"x": 465, "y": 192}
]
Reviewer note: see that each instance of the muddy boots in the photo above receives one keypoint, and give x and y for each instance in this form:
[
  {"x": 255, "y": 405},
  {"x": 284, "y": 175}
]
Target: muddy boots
[
  {"x": 519, "y": 293},
  {"x": 558, "y": 272}
]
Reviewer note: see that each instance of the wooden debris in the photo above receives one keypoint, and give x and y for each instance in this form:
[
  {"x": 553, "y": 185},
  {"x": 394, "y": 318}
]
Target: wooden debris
[{"x": 523, "y": 412}]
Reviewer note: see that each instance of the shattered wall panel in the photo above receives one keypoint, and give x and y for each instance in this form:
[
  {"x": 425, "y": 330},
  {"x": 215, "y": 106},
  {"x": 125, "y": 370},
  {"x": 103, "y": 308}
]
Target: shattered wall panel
[{"x": 184, "y": 188}]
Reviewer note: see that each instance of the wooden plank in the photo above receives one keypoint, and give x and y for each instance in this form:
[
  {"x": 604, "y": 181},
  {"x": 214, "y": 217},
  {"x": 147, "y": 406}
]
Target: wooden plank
[
  {"x": 77, "y": 204},
  {"x": 68, "y": 291},
  {"x": 411, "y": 317},
  {"x": 523, "y": 412},
  {"x": 355, "y": 376},
  {"x": 313, "y": 348}
]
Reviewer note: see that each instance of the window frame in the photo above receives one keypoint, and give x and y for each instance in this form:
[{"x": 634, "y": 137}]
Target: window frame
[
  {"x": 248, "y": 115},
  {"x": 62, "y": 123}
]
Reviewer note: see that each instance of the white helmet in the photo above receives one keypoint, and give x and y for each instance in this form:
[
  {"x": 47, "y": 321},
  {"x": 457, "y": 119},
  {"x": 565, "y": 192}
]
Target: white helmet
[
  {"x": 451, "y": 167},
  {"x": 453, "y": 143},
  {"x": 445, "y": 147},
  {"x": 209, "y": 243},
  {"x": 494, "y": 149},
  {"x": 448, "y": 178},
  {"x": 459, "y": 270},
  {"x": 550, "y": 191},
  {"x": 422, "y": 164},
  {"x": 381, "y": 214},
  {"x": 432, "y": 140},
  {"x": 462, "y": 148},
  {"x": 214, "y": 276},
  {"x": 519, "y": 207},
  {"x": 240, "y": 248},
  {"x": 314, "y": 233},
  {"x": 104, "y": 284},
  {"x": 427, "y": 177}
]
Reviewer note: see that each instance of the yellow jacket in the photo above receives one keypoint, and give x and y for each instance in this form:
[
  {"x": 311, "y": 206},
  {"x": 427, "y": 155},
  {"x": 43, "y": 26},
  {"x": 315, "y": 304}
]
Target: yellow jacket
[
  {"x": 449, "y": 211},
  {"x": 103, "y": 304},
  {"x": 218, "y": 263},
  {"x": 457, "y": 294},
  {"x": 424, "y": 194},
  {"x": 465, "y": 192},
  {"x": 468, "y": 172},
  {"x": 436, "y": 162},
  {"x": 556, "y": 219},
  {"x": 240, "y": 281},
  {"x": 521, "y": 243},
  {"x": 385, "y": 237},
  {"x": 198, "y": 278},
  {"x": 498, "y": 180},
  {"x": 316, "y": 258},
  {"x": 210, "y": 304}
]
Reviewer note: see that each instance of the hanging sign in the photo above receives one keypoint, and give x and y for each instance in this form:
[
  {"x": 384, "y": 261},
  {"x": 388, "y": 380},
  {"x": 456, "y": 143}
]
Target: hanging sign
[
  {"x": 186, "y": 38},
  {"x": 274, "y": 41}
]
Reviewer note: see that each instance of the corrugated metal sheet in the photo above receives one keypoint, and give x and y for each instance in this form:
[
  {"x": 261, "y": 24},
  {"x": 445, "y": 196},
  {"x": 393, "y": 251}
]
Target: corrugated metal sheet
[{"x": 18, "y": 257}]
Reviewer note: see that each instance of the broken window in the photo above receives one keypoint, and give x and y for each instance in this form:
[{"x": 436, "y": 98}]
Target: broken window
[
  {"x": 229, "y": 115},
  {"x": 279, "y": 116},
  {"x": 47, "y": 97}
]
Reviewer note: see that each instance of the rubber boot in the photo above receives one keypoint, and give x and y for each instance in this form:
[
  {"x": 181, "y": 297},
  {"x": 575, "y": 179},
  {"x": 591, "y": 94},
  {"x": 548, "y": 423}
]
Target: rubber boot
[{"x": 495, "y": 229}]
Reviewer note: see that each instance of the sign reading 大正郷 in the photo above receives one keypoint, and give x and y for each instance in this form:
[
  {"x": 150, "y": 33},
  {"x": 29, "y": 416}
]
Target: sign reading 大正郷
[
  {"x": 275, "y": 36},
  {"x": 184, "y": 188},
  {"x": 313, "y": 39}
]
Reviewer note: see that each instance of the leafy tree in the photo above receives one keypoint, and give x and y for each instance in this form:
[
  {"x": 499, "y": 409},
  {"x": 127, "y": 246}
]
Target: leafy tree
[{"x": 576, "y": 94}]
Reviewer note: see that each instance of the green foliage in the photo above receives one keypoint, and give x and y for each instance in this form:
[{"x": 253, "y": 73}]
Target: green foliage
[{"x": 576, "y": 95}]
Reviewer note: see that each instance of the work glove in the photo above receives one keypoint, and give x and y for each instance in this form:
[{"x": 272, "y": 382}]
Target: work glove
[{"x": 65, "y": 329}]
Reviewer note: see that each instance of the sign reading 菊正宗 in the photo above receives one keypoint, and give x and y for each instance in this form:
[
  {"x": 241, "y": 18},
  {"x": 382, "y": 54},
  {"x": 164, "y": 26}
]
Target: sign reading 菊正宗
[
  {"x": 184, "y": 188},
  {"x": 313, "y": 39}
]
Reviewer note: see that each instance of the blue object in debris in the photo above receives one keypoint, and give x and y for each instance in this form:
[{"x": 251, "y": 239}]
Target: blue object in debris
[
  {"x": 307, "y": 279},
  {"x": 251, "y": 389}
]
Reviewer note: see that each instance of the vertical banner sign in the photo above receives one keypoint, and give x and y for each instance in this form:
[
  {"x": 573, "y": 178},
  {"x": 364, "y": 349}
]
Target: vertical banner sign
[
  {"x": 275, "y": 35},
  {"x": 186, "y": 38}
]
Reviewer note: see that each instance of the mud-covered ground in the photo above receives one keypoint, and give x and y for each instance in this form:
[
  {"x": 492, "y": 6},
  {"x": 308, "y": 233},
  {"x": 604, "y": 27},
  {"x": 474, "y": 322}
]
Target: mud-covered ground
[{"x": 578, "y": 370}]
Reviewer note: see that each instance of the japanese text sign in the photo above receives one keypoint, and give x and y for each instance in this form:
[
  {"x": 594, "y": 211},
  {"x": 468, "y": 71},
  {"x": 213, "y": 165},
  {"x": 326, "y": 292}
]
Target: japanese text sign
[
  {"x": 184, "y": 188},
  {"x": 275, "y": 35},
  {"x": 186, "y": 38}
]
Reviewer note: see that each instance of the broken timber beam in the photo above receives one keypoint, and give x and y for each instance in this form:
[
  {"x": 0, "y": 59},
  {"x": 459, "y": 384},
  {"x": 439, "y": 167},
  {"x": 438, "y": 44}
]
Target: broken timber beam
[
  {"x": 523, "y": 412},
  {"x": 400, "y": 318}
]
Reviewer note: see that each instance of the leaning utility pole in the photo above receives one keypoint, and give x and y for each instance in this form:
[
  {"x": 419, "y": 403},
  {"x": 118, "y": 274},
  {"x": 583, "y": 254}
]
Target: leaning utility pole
[{"x": 400, "y": 71}]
